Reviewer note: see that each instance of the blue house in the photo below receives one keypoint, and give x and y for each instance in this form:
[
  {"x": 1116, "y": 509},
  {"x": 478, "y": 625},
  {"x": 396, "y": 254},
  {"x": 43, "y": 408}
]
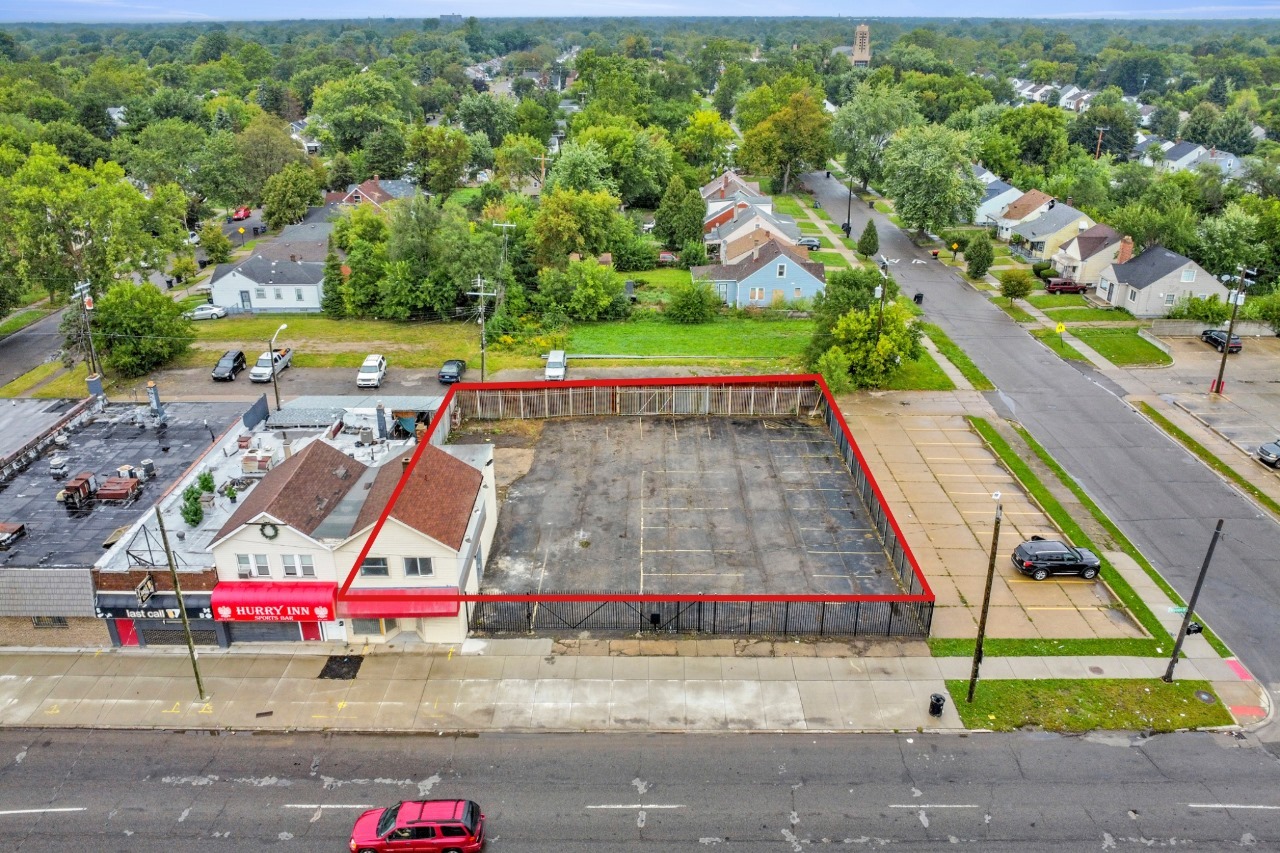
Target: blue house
[{"x": 771, "y": 274}]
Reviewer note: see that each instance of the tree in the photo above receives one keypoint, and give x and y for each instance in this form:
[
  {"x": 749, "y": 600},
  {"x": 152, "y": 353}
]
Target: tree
[
  {"x": 1030, "y": 141},
  {"x": 333, "y": 299},
  {"x": 582, "y": 167},
  {"x": 535, "y": 120},
  {"x": 728, "y": 88},
  {"x": 846, "y": 291},
  {"x": 341, "y": 173},
  {"x": 1230, "y": 241},
  {"x": 574, "y": 221},
  {"x": 1200, "y": 122},
  {"x": 792, "y": 140},
  {"x": 928, "y": 176},
  {"x": 183, "y": 267},
  {"x": 705, "y": 140},
  {"x": 1218, "y": 91},
  {"x": 1233, "y": 131},
  {"x": 865, "y": 124},
  {"x": 367, "y": 262},
  {"x": 1172, "y": 225},
  {"x": 265, "y": 149},
  {"x": 384, "y": 152},
  {"x": 836, "y": 367},
  {"x": 979, "y": 255},
  {"x": 869, "y": 242},
  {"x": 877, "y": 343},
  {"x": 1117, "y": 135},
  {"x": 494, "y": 117},
  {"x": 216, "y": 244},
  {"x": 438, "y": 157},
  {"x": 584, "y": 290},
  {"x": 353, "y": 108},
  {"x": 517, "y": 160},
  {"x": 672, "y": 222},
  {"x": 166, "y": 151},
  {"x": 289, "y": 195},
  {"x": 692, "y": 302},
  {"x": 1015, "y": 284},
  {"x": 137, "y": 329}
]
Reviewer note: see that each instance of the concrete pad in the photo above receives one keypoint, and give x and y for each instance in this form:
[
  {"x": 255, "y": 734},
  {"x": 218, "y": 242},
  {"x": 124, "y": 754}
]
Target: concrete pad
[
  {"x": 776, "y": 669},
  {"x": 921, "y": 669},
  {"x": 849, "y": 669},
  {"x": 704, "y": 703},
  {"x": 557, "y": 718},
  {"x": 36, "y": 664},
  {"x": 740, "y": 669},
  {"x": 953, "y": 622},
  {"x": 1059, "y": 622},
  {"x": 743, "y": 704},
  {"x": 514, "y": 691},
  {"x": 485, "y": 667},
  {"x": 591, "y": 692},
  {"x": 630, "y": 669},
  {"x": 301, "y": 666},
  {"x": 507, "y": 717},
  {"x": 553, "y": 692},
  {"x": 666, "y": 668},
  {"x": 375, "y": 667},
  {"x": 704, "y": 669},
  {"x": 439, "y": 694},
  {"x": 477, "y": 692},
  {"x": 891, "y": 692},
  {"x": 589, "y": 717},
  {"x": 396, "y": 716},
  {"x": 557, "y": 666},
  {"x": 473, "y": 716},
  {"x": 520, "y": 667},
  {"x": 593, "y": 648},
  {"x": 821, "y": 709},
  {"x": 1010, "y": 623},
  {"x": 780, "y": 703},
  {"x": 454, "y": 667},
  {"x": 594, "y": 667},
  {"x": 885, "y": 669}
]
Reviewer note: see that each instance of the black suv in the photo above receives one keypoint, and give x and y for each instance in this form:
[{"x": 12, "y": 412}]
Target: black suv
[
  {"x": 231, "y": 363},
  {"x": 1218, "y": 338},
  {"x": 1040, "y": 558}
]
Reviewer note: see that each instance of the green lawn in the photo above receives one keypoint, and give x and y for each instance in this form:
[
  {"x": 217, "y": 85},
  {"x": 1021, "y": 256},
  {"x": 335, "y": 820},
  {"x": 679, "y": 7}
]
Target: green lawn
[
  {"x": 725, "y": 336},
  {"x": 958, "y": 357},
  {"x": 19, "y": 321},
  {"x": 831, "y": 259},
  {"x": 24, "y": 383},
  {"x": 1089, "y": 315},
  {"x": 1013, "y": 310},
  {"x": 1044, "y": 301},
  {"x": 463, "y": 196},
  {"x": 1122, "y": 347},
  {"x": 825, "y": 243},
  {"x": 789, "y": 205},
  {"x": 1054, "y": 341},
  {"x": 923, "y": 374},
  {"x": 1064, "y": 705},
  {"x": 808, "y": 227}
]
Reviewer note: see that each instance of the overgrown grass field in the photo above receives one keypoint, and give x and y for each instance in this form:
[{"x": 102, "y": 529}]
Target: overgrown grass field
[{"x": 731, "y": 337}]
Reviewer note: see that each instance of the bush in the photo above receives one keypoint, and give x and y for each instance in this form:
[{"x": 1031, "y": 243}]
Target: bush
[
  {"x": 980, "y": 256},
  {"x": 692, "y": 302},
  {"x": 1042, "y": 269},
  {"x": 192, "y": 510},
  {"x": 961, "y": 238},
  {"x": 1015, "y": 284},
  {"x": 835, "y": 365},
  {"x": 693, "y": 254},
  {"x": 1212, "y": 311},
  {"x": 205, "y": 481}
]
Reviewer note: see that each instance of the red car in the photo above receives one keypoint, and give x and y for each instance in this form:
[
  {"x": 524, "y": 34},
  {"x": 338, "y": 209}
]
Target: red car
[
  {"x": 241, "y": 213},
  {"x": 420, "y": 826},
  {"x": 1064, "y": 285}
]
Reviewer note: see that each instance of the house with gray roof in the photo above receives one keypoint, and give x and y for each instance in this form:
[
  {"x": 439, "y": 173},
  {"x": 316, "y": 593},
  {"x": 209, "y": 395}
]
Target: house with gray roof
[
  {"x": 307, "y": 240},
  {"x": 1042, "y": 235},
  {"x": 1179, "y": 156},
  {"x": 1150, "y": 284},
  {"x": 771, "y": 274},
  {"x": 375, "y": 191},
  {"x": 261, "y": 283},
  {"x": 1086, "y": 255},
  {"x": 997, "y": 195},
  {"x": 748, "y": 230}
]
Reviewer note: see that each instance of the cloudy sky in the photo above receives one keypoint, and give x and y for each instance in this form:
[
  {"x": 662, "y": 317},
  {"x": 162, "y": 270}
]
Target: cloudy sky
[{"x": 215, "y": 10}]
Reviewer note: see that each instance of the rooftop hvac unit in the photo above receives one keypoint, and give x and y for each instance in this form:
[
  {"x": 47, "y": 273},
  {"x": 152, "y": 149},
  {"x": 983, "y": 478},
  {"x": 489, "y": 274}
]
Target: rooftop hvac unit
[
  {"x": 149, "y": 468},
  {"x": 366, "y": 435},
  {"x": 126, "y": 472}
]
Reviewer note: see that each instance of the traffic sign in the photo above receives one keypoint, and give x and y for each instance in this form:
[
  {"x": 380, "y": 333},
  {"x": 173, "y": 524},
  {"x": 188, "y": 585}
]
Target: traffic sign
[
  {"x": 1062, "y": 327},
  {"x": 88, "y": 303},
  {"x": 241, "y": 229}
]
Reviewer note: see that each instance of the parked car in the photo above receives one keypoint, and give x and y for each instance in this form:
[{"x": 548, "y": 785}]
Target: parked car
[
  {"x": 420, "y": 825},
  {"x": 231, "y": 363},
  {"x": 206, "y": 312},
  {"x": 668, "y": 259},
  {"x": 809, "y": 243},
  {"x": 193, "y": 239},
  {"x": 1039, "y": 558},
  {"x": 557, "y": 365},
  {"x": 1269, "y": 453},
  {"x": 451, "y": 371},
  {"x": 242, "y": 213},
  {"x": 1218, "y": 338},
  {"x": 1064, "y": 285},
  {"x": 270, "y": 364},
  {"x": 371, "y": 372}
]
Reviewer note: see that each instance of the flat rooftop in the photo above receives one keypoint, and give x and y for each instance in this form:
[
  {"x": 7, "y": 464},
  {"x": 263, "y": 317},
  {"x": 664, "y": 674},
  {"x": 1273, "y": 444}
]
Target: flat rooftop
[
  {"x": 710, "y": 505},
  {"x": 22, "y": 421},
  {"x": 120, "y": 435}
]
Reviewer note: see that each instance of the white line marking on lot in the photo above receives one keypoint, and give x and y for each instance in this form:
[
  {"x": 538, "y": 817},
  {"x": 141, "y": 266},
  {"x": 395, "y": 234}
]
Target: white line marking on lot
[
  {"x": 637, "y": 806},
  {"x": 936, "y": 806},
  {"x": 1231, "y": 806},
  {"x": 325, "y": 806},
  {"x": 44, "y": 811}
]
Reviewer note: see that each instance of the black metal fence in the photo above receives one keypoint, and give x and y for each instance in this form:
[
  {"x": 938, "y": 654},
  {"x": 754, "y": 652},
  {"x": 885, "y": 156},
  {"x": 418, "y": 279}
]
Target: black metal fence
[{"x": 777, "y": 618}]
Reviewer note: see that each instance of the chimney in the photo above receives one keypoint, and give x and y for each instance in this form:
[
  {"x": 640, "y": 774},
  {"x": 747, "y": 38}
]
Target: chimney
[
  {"x": 375, "y": 179},
  {"x": 755, "y": 252},
  {"x": 724, "y": 183},
  {"x": 405, "y": 460},
  {"x": 1126, "y": 250}
]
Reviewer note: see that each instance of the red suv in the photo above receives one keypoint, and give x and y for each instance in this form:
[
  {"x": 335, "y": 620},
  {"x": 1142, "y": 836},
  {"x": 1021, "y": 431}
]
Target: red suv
[
  {"x": 419, "y": 826},
  {"x": 1064, "y": 285}
]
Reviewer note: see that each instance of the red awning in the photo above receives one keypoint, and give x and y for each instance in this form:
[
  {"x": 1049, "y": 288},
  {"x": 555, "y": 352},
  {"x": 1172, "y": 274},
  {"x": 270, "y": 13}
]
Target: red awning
[
  {"x": 398, "y": 603},
  {"x": 247, "y": 601}
]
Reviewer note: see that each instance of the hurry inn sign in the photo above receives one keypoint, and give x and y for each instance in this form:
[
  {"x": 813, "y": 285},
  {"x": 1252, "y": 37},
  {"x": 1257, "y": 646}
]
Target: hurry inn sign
[{"x": 272, "y": 613}]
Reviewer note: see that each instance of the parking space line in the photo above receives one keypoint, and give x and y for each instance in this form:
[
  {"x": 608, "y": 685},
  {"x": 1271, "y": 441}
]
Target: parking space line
[{"x": 695, "y": 574}]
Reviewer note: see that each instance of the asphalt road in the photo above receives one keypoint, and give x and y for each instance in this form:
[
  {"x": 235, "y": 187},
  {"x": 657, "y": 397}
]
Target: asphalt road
[
  {"x": 29, "y": 348},
  {"x": 1164, "y": 500},
  {"x": 156, "y": 791}
]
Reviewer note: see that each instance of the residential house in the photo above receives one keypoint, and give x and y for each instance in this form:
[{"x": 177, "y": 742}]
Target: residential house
[
  {"x": 720, "y": 211},
  {"x": 983, "y": 174},
  {"x": 1145, "y": 113},
  {"x": 773, "y": 273},
  {"x": 1149, "y": 150},
  {"x": 1230, "y": 165},
  {"x": 1042, "y": 235},
  {"x": 375, "y": 191},
  {"x": 302, "y": 133},
  {"x": 997, "y": 196},
  {"x": 728, "y": 184},
  {"x": 748, "y": 230},
  {"x": 295, "y": 539},
  {"x": 1084, "y": 257},
  {"x": 1027, "y": 206},
  {"x": 1179, "y": 157},
  {"x": 1150, "y": 284},
  {"x": 260, "y": 283},
  {"x": 306, "y": 241}
]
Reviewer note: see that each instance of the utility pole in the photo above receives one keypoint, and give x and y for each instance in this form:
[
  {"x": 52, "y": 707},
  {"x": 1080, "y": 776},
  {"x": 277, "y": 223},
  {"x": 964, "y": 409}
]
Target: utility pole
[
  {"x": 1098, "y": 153},
  {"x": 182, "y": 607},
  {"x": 1191, "y": 607},
  {"x": 482, "y": 294},
  {"x": 506, "y": 229},
  {"x": 882, "y": 291},
  {"x": 848, "y": 208},
  {"x": 986, "y": 599},
  {"x": 543, "y": 159},
  {"x": 83, "y": 295},
  {"x": 1236, "y": 296}
]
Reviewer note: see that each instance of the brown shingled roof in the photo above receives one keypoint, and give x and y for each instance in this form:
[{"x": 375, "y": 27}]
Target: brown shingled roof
[
  {"x": 1023, "y": 206},
  {"x": 437, "y": 499},
  {"x": 301, "y": 491},
  {"x": 769, "y": 251},
  {"x": 1093, "y": 240}
]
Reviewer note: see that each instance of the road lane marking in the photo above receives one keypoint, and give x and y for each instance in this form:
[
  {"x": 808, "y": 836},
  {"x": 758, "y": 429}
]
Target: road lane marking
[
  {"x": 637, "y": 806},
  {"x": 1230, "y": 806},
  {"x": 935, "y": 806},
  {"x": 326, "y": 806},
  {"x": 45, "y": 811}
]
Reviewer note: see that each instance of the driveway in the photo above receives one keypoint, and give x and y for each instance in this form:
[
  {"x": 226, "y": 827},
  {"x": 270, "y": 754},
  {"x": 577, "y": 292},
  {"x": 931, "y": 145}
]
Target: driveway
[{"x": 1164, "y": 499}]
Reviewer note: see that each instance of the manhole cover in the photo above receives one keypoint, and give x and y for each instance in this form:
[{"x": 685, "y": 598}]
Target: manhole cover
[
  {"x": 1206, "y": 697},
  {"x": 1096, "y": 670},
  {"x": 342, "y": 667}
]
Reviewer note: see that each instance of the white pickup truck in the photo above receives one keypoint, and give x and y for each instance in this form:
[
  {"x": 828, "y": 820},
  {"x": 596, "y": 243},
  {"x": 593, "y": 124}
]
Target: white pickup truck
[{"x": 270, "y": 363}]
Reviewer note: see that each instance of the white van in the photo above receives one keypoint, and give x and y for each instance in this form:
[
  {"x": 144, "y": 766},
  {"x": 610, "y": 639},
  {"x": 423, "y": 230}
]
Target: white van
[{"x": 555, "y": 366}]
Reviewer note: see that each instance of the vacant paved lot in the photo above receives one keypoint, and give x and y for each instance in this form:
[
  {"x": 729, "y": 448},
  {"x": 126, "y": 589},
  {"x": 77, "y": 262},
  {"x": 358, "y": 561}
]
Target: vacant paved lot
[{"x": 697, "y": 505}]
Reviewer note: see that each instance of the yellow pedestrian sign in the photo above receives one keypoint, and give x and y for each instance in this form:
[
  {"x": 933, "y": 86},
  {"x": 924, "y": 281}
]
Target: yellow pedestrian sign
[{"x": 1062, "y": 327}]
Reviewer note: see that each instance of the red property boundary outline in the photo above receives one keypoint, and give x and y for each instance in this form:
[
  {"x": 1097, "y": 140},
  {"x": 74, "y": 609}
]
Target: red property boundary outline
[{"x": 391, "y": 599}]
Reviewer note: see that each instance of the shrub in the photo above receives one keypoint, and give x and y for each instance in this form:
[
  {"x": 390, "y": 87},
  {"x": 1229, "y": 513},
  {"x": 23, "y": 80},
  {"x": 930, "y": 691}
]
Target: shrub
[
  {"x": 980, "y": 255},
  {"x": 960, "y": 238},
  {"x": 1015, "y": 284},
  {"x": 192, "y": 510},
  {"x": 1212, "y": 311},
  {"x": 205, "y": 481},
  {"x": 1041, "y": 269},
  {"x": 692, "y": 302}
]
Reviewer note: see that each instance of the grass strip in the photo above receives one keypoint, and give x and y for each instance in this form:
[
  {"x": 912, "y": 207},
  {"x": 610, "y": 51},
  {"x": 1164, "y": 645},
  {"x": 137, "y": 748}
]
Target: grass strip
[
  {"x": 1123, "y": 347},
  {"x": 1087, "y": 314},
  {"x": 830, "y": 259},
  {"x": 921, "y": 374},
  {"x": 24, "y": 383},
  {"x": 1023, "y": 473},
  {"x": 20, "y": 321},
  {"x": 1018, "y": 314},
  {"x": 1051, "y": 339},
  {"x": 1204, "y": 455},
  {"x": 789, "y": 205},
  {"x": 1118, "y": 539},
  {"x": 1082, "y": 705},
  {"x": 958, "y": 357}
]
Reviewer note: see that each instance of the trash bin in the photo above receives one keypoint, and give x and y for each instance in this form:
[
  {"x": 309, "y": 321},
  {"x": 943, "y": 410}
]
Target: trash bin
[
  {"x": 168, "y": 283},
  {"x": 936, "y": 702},
  {"x": 256, "y": 230},
  {"x": 918, "y": 298},
  {"x": 934, "y": 252}
]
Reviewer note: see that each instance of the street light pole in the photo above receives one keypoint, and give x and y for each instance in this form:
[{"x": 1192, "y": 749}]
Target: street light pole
[
  {"x": 482, "y": 294},
  {"x": 182, "y": 607},
  {"x": 271, "y": 353},
  {"x": 1191, "y": 605},
  {"x": 986, "y": 599},
  {"x": 1237, "y": 298},
  {"x": 882, "y": 291}
]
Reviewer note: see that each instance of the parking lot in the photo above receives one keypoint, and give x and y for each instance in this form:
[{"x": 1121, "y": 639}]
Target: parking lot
[{"x": 696, "y": 505}]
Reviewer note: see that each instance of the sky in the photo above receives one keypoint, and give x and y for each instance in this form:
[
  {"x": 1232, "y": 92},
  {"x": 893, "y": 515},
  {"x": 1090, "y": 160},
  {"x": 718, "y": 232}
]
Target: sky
[{"x": 116, "y": 11}]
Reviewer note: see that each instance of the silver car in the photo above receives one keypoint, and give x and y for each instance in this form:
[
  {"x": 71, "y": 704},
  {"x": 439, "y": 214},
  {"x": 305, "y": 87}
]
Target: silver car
[{"x": 1269, "y": 453}]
